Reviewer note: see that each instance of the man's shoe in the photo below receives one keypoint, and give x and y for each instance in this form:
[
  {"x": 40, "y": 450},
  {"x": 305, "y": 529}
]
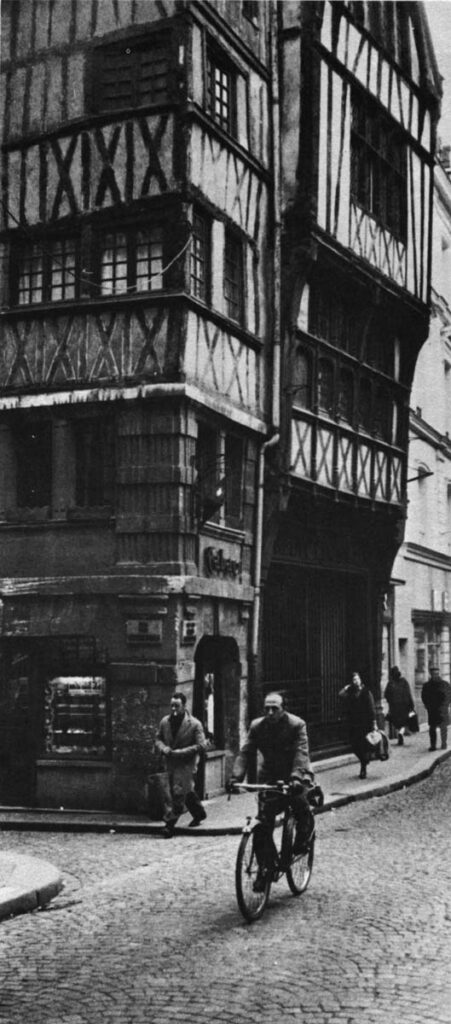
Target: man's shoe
[
  {"x": 362, "y": 773},
  {"x": 400, "y": 740},
  {"x": 432, "y": 748},
  {"x": 168, "y": 831},
  {"x": 260, "y": 882},
  {"x": 444, "y": 746},
  {"x": 196, "y": 821}
]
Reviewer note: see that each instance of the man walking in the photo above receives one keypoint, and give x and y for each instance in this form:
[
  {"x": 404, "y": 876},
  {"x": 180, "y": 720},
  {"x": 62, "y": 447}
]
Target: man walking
[
  {"x": 436, "y": 697},
  {"x": 181, "y": 740}
]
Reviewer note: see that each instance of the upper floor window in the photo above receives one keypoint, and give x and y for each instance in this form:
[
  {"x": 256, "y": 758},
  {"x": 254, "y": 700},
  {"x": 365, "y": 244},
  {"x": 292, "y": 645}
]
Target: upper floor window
[
  {"x": 302, "y": 380},
  {"x": 233, "y": 277},
  {"x": 200, "y": 257},
  {"x": 134, "y": 73},
  {"x": 379, "y": 167},
  {"x": 220, "y": 468},
  {"x": 47, "y": 273},
  {"x": 131, "y": 261},
  {"x": 33, "y": 444},
  {"x": 221, "y": 91},
  {"x": 326, "y": 386},
  {"x": 94, "y": 462}
]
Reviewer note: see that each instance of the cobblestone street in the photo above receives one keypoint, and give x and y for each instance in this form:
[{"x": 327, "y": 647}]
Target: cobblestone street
[{"x": 149, "y": 931}]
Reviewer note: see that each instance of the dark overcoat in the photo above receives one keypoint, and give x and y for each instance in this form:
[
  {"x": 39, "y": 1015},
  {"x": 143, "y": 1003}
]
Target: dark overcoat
[
  {"x": 400, "y": 701},
  {"x": 436, "y": 697}
]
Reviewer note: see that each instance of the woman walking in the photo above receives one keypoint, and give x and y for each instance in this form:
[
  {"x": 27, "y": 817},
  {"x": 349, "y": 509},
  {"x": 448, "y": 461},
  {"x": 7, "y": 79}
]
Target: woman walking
[
  {"x": 361, "y": 714},
  {"x": 400, "y": 702}
]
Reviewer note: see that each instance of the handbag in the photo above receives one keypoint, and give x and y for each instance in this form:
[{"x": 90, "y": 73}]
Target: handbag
[
  {"x": 373, "y": 737},
  {"x": 412, "y": 722}
]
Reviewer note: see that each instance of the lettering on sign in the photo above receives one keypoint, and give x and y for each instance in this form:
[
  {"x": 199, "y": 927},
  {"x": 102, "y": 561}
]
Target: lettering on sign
[{"x": 218, "y": 564}]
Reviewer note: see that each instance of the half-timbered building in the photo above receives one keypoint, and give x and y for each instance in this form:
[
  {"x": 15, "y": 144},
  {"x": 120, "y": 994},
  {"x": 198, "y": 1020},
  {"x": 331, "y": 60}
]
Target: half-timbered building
[
  {"x": 136, "y": 293},
  {"x": 215, "y": 245},
  {"x": 359, "y": 89}
]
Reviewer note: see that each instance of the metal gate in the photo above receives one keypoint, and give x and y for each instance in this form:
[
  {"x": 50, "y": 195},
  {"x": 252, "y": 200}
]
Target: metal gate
[{"x": 314, "y": 634}]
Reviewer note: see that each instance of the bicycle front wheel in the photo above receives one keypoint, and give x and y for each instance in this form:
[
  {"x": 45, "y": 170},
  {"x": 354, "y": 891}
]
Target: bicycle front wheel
[
  {"x": 300, "y": 868},
  {"x": 251, "y": 891}
]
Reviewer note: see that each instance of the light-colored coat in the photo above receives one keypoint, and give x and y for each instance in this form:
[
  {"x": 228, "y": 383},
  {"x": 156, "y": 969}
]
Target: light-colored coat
[{"x": 181, "y": 753}]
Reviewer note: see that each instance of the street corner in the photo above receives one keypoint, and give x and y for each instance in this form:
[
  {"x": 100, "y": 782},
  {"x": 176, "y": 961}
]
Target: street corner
[{"x": 26, "y": 884}]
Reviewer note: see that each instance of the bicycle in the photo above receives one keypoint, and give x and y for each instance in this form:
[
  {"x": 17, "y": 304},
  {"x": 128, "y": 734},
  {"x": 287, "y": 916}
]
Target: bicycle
[{"x": 279, "y": 857}]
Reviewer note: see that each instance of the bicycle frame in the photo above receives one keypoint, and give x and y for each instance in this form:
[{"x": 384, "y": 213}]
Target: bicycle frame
[{"x": 254, "y": 874}]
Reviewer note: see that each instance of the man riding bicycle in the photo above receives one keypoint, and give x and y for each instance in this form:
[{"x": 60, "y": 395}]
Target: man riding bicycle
[{"x": 281, "y": 739}]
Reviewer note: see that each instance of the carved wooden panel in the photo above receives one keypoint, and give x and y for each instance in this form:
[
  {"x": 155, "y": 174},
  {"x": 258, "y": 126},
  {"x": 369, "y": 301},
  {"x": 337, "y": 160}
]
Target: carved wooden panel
[
  {"x": 222, "y": 364},
  {"x": 77, "y": 348}
]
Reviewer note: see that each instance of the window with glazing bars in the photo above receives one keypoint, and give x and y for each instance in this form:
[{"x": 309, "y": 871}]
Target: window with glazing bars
[
  {"x": 233, "y": 277},
  {"x": 133, "y": 74},
  {"x": 200, "y": 257},
  {"x": 221, "y": 91},
  {"x": 379, "y": 167},
  {"x": 131, "y": 261},
  {"x": 47, "y": 272}
]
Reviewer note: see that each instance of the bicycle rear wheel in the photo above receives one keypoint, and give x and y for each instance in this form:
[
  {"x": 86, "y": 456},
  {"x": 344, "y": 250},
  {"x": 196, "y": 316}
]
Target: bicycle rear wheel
[
  {"x": 250, "y": 902},
  {"x": 300, "y": 869}
]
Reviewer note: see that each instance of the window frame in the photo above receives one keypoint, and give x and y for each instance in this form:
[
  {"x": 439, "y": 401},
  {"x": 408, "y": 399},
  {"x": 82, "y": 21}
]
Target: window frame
[
  {"x": 233, "y": 245},
  {"x": 218, "y": 61},
  {"x": 45, "y": 250},
  {"x": 93, "y": 436},
  {"x": 33, "y": 469},
  {"x": 378, "y": 181},
  {"x": 130, "y": 248},
  {"x": 203, "y": 258}
]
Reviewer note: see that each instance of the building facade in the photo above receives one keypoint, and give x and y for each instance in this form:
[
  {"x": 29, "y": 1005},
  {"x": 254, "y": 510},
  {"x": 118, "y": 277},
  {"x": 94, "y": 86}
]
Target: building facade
[
  {"x": 418, "y": 615},
  {"x": 360, "y": 91},
  {"x": 215, "y": 257}
]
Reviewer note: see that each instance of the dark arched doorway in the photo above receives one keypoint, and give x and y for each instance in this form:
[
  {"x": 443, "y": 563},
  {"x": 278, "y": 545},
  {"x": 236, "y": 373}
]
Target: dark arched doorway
[{"x": 216, "y": 702}]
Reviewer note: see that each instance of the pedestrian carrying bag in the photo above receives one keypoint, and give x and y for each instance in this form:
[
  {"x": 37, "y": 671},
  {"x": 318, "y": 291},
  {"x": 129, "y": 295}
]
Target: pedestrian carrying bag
[{"x": 412, "y": 722}]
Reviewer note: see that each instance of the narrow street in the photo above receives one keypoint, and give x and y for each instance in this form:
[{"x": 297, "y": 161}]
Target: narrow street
[{"x": 148, "y": 931}]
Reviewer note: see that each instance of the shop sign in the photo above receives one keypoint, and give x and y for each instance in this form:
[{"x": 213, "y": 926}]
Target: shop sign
[{"x": 218, "y": 564}]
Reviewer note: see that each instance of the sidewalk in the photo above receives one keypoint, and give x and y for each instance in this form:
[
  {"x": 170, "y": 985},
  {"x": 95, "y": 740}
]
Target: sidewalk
[{"x": 27, "y": 883}]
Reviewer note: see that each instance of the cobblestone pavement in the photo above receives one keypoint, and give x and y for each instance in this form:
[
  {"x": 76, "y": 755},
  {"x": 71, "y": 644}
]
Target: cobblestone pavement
[{"x": 147, "y": 931}]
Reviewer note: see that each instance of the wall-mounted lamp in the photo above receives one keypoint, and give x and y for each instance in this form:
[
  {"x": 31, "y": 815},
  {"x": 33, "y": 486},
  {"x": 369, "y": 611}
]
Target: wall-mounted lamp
[{"x": 422, "y": 474}]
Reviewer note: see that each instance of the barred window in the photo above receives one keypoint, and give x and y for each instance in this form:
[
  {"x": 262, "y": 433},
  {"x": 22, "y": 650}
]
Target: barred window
[
  {"x": 200, "y": 257},
  {"x": 233, "y": 277},
  {"x": 134, "y": 73},
  {"x": 379, "y": 167},
  {"x": 221, "y": 89}
]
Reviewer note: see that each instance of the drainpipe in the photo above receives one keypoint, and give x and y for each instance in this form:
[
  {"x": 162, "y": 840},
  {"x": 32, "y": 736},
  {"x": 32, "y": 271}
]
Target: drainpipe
[{"x": 275, "y": 397}]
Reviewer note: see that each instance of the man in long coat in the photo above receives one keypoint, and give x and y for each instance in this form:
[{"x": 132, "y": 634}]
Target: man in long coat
[
  {"x": 436, "y": 697},
  {"x": 181, "y": 740}
]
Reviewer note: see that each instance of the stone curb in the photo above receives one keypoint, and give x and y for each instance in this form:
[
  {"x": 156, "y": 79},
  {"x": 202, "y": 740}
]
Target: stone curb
[{"x": 33, "y": 884}]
